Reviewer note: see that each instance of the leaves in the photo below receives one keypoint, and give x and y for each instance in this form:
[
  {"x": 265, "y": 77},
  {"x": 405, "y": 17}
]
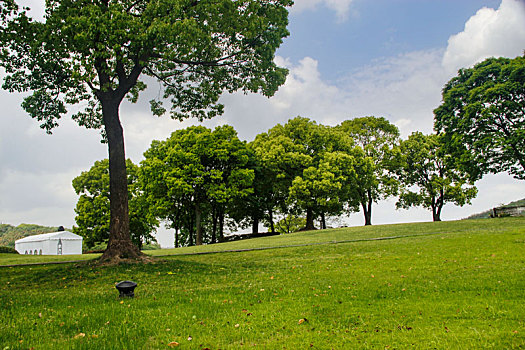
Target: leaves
[
  {"x": 93, "y": 207},
  {"x": 197, "y": 168},
  {"x": 482, "y": 117},
  {"x": 430, "y": 176}
]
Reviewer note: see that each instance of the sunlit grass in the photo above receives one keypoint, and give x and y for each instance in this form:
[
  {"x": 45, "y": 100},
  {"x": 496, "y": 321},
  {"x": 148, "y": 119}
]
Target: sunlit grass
[
  {"x": 14, "y": 259},
  {"x": 452, "y": 285}
]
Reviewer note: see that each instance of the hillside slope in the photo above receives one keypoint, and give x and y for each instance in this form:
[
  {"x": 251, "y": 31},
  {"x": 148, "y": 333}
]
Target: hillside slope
[
  {"x": 9, "y": 234},
  {"x": 486, "y": 213}
]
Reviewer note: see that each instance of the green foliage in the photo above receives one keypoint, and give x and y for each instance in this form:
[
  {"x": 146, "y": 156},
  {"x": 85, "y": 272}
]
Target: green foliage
[
  {"x": 483, "y": 119},
  {"x": 289, "y": 224},
  {"x": 93, "y": 210},
  {"x": 9, "y": 234},
  {"x": 424, "y": 164},
  {"x": 83, "y": 51},
  {"x": 8, "y": 250},
  {"x": 293, "y": 157},
  {"x": 94, "y": 54},
  {"x": 373, "y": 179},
  {"x": 197, "y": 174}
]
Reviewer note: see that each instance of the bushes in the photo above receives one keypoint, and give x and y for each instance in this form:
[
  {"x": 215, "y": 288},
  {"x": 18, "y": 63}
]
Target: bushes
[{"x": 8, "y": 250}]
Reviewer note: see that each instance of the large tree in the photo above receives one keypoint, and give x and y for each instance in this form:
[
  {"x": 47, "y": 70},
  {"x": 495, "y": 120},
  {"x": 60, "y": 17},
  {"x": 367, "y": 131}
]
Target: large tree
[
  {"x": 293, "y": 155},
  {"x": 93, "y": 208},
  {"x": 377, "y": 137},
  {"x": 483, "y": 117},
  {"x": 94, "y": 52},
  {"x": 429, "y": 176},
  {"x": 196, "y": 172}
]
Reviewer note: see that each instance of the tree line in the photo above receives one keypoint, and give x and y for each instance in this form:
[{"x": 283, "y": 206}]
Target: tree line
[
  {"x": 202, "y": 181},
  {"x": 94, "y": 55}
]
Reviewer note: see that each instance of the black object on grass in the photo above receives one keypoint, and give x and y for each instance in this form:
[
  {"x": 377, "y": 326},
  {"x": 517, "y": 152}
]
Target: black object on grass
[{"x": 126, "y": 288}]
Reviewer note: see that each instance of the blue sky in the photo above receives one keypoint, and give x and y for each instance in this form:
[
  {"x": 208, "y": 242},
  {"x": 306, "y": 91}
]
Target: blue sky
[
  {"x": 373, "y": 29},
  {"x": 347, "y": 58}
]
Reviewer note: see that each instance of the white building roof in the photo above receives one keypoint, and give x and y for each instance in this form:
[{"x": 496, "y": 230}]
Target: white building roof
[{"x": 55, "y": 236}]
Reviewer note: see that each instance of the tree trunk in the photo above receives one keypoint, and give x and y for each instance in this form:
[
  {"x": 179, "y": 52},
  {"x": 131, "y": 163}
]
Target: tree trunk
[
  {"x": 255, "y": 223},
  {"x": 436, "y": 211},
  {"x": 221, "y": 225},
  {"x": 272, "y": 226},
  {"x": 176, "y": 237},
  {"x": 120, "y": 245},
  {"x": 437, "y": 205},
  {"x": 436, "y": 214},
  {"x": 214, "y": 226},
  {"x": 309, "y": 219},
  {"x": 366, "y": 204},
  {"x": 323, "y": 221},
  {"x": 191, "y": 229},
  {"x": 198, "y": 225}
]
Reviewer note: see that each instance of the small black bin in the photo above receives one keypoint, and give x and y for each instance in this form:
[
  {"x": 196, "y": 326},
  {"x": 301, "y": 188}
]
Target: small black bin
[{"x": 126, "y": 288}]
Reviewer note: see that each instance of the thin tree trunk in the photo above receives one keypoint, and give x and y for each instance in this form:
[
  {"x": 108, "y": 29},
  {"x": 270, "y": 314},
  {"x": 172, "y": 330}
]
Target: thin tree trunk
[
  {"x": 198, "y": 224},
  {"x": 272, "y": 226},
  {"x": 176, "y": 237},
  {"x": 366, "y": 204},
  {"x": 120, "y": 245},
  {"x": 221, "y": 225},
  {"x": 310, "y": 219},
  {"x": 191, "y": 229},
  {"x": 255, "y": 223},
  {"x": 436, "y": 214},
  {"x": 214, "y": 226},
  {"x": 323, "y": 221}
]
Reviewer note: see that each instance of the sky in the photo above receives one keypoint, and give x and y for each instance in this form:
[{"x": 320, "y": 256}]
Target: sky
[{"x": 347, "y": 59}]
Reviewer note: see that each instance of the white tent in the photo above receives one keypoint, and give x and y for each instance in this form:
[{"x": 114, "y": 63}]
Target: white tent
[{"x": 56, "y": 243}]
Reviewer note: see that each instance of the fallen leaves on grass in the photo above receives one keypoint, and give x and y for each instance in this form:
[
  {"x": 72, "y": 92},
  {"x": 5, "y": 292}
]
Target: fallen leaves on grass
[
  {"x": 302, "y": 320},
  {"x": 173, "y": 344},
  {"x": 79, "y": 335}
]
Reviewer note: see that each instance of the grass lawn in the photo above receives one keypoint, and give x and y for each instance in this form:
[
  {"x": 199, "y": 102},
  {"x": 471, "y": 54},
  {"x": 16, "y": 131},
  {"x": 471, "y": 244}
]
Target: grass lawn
[{"x": 447, "y": 285}]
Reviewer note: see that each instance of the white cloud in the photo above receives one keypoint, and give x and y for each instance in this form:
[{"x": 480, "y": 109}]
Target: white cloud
[
  {"x": 304, "y": 93},
  {"x": 489, "y": 33},
  {"x": 36, "y": 171},
  {"x": 341, "y": 7},
  {"x": 404, "y": 89}
]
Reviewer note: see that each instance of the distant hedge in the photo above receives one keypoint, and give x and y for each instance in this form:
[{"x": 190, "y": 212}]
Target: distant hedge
[{"x": 8, "y": 250}]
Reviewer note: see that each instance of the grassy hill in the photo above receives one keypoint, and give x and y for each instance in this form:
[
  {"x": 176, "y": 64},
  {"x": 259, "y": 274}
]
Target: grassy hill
[
  {"x": 486, "y": 214},
  {"x": 444, "y": 285},
  {"x": 9, "y": 234}
]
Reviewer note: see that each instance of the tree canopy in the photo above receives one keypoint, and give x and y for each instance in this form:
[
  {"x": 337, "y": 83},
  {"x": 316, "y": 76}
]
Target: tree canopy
[
  {"x": 92, "y": 208},
  {"x": 194, "y": 175},
  {"x": 429, "y": 176},
  {"x": 93, "y": 53},
  {"x": 293, "y": 155},
  {"x": 374, "y": 178},
  {"x": 483, "y": 117}
]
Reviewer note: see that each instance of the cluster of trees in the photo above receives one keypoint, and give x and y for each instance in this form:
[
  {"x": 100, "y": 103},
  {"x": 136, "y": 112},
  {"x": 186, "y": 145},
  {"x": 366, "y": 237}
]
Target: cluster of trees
[
  {"x": 95, "y": 54},
  {"x": 200, "y": 181}
]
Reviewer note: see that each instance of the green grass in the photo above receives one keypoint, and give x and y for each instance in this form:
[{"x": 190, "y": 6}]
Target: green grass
[
  {"x": 452, "y": 285},
  {"x": 18, "y": 259}
]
